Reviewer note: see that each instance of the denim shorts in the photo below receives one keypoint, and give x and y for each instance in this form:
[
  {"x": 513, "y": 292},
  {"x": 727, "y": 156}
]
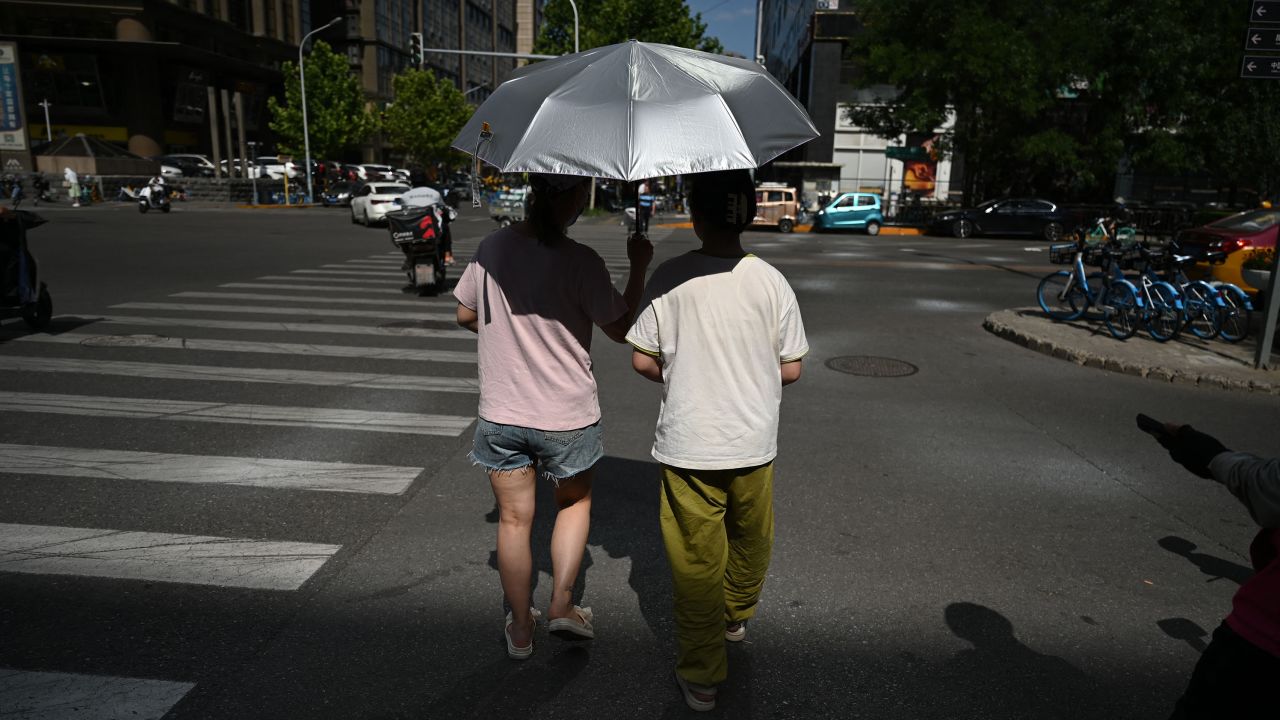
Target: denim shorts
[{"x": 559, "y": 454}]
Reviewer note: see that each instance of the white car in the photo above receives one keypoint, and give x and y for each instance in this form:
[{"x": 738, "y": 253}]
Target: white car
[
  {"x": 269, "y": 166},
  {"x": 371, "y": 203},
  {"x": 372, "y": 173}
]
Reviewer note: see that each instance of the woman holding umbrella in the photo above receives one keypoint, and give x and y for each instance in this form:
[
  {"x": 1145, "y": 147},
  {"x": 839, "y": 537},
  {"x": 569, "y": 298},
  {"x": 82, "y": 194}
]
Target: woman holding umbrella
[{"x": 533, "y": 295}]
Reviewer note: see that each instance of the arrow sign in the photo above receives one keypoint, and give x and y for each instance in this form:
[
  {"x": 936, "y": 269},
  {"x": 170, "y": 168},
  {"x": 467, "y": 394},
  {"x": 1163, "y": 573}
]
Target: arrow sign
[
  {"x": 1265, "y": 11},
  {"x": 1262, "y": 38},
  {"x": 1261, "y": 67}
]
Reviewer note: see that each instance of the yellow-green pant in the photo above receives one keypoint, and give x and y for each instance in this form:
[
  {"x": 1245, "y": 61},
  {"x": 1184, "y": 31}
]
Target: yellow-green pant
[{"x": 718, "y": 529}]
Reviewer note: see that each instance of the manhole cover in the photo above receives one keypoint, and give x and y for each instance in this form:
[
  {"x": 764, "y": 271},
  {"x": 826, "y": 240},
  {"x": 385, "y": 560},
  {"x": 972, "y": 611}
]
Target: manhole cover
[
  {"x": 871, "y": 366},
  {"x": 124, "y": 340}
]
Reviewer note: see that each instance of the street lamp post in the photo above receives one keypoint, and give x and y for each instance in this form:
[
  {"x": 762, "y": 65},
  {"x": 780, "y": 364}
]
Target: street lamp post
[
  {"x": 574, "y": 5},
  {"x": 48, "y": 129},
  {"x": 302, "y": 80}
]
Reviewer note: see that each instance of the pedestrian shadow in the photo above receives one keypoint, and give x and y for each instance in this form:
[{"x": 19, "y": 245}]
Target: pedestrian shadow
[
  {"x": 1215, "y": 567},
  {"x": 13, "y": 328},
  {"x": 1187, "y": 631},
  {"x": 1001, "y": 677},
  {"x": 508, "y": 689}
]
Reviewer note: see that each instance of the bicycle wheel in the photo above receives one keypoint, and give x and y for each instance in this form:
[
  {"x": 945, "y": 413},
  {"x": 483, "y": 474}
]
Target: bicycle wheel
[
  {"x": 1121, "y": 310},
  {"x": 1200, "y": 310},
  {"x": 1235, "y": 313},
  {"x": 1164, "y": 318},
  {"x": 1060, "y": 297}
]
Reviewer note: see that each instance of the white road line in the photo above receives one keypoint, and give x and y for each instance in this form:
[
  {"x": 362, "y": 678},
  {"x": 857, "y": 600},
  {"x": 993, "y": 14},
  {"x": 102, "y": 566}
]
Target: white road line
[
  {"x": 367, "y": 273},
  {"x": 61, "y": 696},
  {"x": 238, "y": 414},
  {"x": 205, "y": 470},
  {"x": 338, "y": 266},
  {"x": 373, "y": 289},
  {"x": 216, "y": 373},
  {"x": 160, "y": 557},
  {"x": 278, "y": 327},
  {"x": 272, "y": 297},
  {"x": 380, "y": 262},
  {"x": 324, "y": 312},
  {"x": 382, "y": 283},
  {"x": 245, "y": 346}
]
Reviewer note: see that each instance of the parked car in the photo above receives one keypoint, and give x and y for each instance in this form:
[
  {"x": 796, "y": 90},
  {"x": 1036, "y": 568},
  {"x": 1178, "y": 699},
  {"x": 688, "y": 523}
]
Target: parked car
[
  {"x": 852, "y": 210},
  {"x": 1238, "y": 236},
  {"x": 269, "y": 166},
  {"x": 168, "y": 169},
  {"x": 1008, "y": 216},
  {"x": 776, "y": 206},
  {"x": 338, "y": 194},
  {"x": 190, "y": 164},
  {"x": 372, "y": 201},
  {"x": 459, "y": 189},
  {"x": 370, "y": 172}
]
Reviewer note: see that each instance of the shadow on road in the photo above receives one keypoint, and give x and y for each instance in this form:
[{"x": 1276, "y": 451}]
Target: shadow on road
[{"x": 1215, "y": 567}]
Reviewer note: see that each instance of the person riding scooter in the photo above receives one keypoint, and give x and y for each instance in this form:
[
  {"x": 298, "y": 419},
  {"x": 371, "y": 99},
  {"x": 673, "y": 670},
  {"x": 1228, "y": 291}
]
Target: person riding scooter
[{"x": 154, "y": 195}]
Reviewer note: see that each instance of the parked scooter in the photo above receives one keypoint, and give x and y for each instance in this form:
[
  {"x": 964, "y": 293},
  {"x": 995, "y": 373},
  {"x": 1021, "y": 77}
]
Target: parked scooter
[
  {"x": 20, "y": 286},
  {"x": 155, "y": 196}
]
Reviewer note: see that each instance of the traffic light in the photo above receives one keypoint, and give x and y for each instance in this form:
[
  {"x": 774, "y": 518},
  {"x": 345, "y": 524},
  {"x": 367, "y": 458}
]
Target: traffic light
[{"x": 415, "y": 48}]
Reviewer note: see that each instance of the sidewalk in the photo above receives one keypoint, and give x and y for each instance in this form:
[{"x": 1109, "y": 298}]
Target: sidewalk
[{"x": 1187, "y": 359}]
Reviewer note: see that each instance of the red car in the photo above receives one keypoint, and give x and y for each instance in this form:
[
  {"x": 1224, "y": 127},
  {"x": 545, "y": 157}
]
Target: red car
[{"x": 1236, "y": 235}]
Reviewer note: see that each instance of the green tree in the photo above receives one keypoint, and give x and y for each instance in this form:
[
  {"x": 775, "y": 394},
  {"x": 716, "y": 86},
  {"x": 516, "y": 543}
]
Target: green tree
[
  {"x": 337, "y": 114},
  {"x": 606, "y": 22},
  {"x": 426, "y": 116}
]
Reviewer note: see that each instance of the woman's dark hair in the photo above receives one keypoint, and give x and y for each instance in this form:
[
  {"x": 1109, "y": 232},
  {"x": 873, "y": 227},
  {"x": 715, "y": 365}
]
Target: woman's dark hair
[
  {"x": 725, "y": 199},
  {"x": 540, "y": 213}
]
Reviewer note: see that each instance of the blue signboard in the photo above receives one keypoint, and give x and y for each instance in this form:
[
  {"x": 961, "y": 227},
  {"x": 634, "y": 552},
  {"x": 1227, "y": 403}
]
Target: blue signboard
[{"x": 13, "y": 136}]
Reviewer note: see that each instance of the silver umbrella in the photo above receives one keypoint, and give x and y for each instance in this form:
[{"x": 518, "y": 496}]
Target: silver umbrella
[{"x": 636, "y": 110}]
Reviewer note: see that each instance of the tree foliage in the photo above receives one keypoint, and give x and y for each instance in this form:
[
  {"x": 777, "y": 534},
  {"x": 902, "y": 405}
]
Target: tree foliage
[
  {"x": 426, "y": 116},
  {"x": 1051, "y": 97},
  {"x": 337, "y": 114},
  {"x": 606, "y": 22}
]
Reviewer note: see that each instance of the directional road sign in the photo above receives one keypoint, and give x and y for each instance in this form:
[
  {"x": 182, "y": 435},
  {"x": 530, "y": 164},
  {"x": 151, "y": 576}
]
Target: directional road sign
[
  {"x": 1265, "y": 11},
  {"x": 1261, "y": 66},
  {"x": 1262, "y": 38}
]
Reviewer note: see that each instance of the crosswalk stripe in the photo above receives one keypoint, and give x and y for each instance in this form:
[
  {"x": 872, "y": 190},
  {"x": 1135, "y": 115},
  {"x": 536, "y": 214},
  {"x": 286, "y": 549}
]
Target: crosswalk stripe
[
  {"x": 235, "y": 413},
  {"x": 372, "y": 289},
  {"x": 370, "y": 273},
  {"x": 160, "y": 557},
  {"x": 55, "y": 696},
  {"x": 382, "y": 283},
  {"x": 353, "y": 268},
  {"x": 301, "y": 327},
  {"x": 366, "y": 266},
  {"x": 245, "y": 346},
  {"x": 217, "y": 373},
  {"x": 205, "y": 470},
  {"x": 326, "y": 312},
  {"x": 380, "y": 262},
  {"x": 305, "y": 299}
]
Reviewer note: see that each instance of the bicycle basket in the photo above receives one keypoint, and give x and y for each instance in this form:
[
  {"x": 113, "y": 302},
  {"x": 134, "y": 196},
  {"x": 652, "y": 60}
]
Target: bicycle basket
[{"x": 1064, "y": 254}]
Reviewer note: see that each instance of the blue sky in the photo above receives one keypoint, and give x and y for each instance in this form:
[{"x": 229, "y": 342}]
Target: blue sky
[{"x": 733, "y": 21}]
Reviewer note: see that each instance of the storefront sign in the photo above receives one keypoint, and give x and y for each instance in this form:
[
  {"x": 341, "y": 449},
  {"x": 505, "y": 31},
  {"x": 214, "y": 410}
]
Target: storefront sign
[{"x": 13, "y": 134}]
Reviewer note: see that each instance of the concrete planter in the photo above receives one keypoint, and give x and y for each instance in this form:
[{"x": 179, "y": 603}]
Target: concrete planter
[{"x": 1258, "y": 279}]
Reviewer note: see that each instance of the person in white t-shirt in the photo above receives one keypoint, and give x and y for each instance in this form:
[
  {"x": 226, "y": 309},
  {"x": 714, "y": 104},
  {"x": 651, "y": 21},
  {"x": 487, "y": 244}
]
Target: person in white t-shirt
[{"x": 721, "y": 330}]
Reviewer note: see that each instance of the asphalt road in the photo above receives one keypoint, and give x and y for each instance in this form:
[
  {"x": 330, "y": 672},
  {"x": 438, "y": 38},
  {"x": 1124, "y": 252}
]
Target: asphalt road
[{"x": 234, "y": 484}]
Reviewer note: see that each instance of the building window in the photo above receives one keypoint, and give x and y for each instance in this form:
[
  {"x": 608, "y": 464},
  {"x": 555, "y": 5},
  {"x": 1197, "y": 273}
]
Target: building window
[{"x": 66, "y": 80}]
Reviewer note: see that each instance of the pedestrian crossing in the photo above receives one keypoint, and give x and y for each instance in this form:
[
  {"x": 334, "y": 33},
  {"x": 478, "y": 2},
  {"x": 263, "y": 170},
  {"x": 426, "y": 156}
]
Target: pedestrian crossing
[{"x": 162, "y": 378}]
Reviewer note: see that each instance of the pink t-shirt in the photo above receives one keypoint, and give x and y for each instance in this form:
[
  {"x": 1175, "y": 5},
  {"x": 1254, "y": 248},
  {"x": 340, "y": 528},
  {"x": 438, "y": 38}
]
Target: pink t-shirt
[{"x": 537, "y": 305}]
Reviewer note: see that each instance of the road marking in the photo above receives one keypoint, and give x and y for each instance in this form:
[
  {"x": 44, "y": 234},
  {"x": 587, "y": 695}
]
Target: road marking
[
  {"x": 344, "y": 272},
  {"x": 160, "y": 557},
  {"x": 325, "y": 312},
  {"x": 366, "y": 266},
  {"x": 372, "y": 289},
  {"x": 216, "y": 373},
  {"x": 206, "y": 470},
  {"x": 237, "y": 414},
  {"x": 53, "y": 696},
  {"x": 329, "y": 279},
  {"x": 303, "y": 327},
  {"x": 245, "y": 346},
  {"x": 303, "y": 299},
  {"x": 354, "y": 268}
]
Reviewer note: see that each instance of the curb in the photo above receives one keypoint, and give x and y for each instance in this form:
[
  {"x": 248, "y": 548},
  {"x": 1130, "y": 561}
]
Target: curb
[
  {"x": 1021, "y": 327},
  {"x": 884, "y": 229}
]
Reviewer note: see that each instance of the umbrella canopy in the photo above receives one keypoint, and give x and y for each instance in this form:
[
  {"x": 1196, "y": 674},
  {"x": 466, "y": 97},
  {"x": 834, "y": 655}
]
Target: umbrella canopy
[{"x": 636, "y": 110}]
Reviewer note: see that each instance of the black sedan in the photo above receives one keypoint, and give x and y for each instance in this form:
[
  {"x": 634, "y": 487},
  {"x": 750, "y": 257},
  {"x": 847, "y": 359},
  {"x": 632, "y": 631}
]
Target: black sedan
[
  {"x": 338, "y": 194},
  {"x": 1010, "y": 216}
]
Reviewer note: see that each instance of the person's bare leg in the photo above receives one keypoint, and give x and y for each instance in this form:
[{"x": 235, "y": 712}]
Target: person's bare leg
[
  {"x": 514, "y": 491},
  {"x": 569, "y": 540}
]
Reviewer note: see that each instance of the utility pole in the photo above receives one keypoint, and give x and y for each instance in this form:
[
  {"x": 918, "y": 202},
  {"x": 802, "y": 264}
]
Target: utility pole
[{"x": 48, "y": 128}]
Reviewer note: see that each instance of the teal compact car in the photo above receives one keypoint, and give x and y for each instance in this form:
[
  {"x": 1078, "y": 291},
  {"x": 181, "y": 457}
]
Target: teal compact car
[{"x": 851, "y": 211}]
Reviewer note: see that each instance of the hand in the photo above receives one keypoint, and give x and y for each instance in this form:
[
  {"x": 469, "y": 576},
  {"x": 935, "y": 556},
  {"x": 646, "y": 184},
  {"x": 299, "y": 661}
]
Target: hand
[
  {"x": 639, "y": 250},
  {"x": 1191, "y": 448}
]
